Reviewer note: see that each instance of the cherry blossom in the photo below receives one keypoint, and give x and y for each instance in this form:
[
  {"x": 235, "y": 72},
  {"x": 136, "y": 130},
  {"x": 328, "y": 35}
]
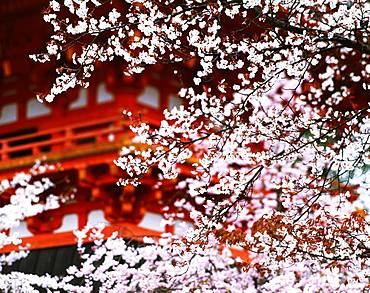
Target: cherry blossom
[
  {"x": 274, "y": 128},
  {"x": 25, "y": 200}
]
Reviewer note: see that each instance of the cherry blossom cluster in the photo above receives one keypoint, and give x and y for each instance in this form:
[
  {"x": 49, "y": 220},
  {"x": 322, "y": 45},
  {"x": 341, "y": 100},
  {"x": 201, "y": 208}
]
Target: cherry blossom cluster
[
  {"x": 24, "y": 194},
  {"x": 264, "y": 40},
  {"x": 124, "y": 266},
  {"x": 275, "y": 130},
  {"x": 118, "y": 265}
]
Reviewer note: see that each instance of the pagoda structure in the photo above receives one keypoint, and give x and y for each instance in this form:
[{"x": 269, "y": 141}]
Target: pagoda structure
[{"x": 81, "y": 132}]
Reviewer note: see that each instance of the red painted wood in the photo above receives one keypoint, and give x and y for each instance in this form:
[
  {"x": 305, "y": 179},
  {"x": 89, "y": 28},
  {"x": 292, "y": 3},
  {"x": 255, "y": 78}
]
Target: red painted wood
[
  {"x": 64, "y": 129},
  {"x": 125, "y": 230}
]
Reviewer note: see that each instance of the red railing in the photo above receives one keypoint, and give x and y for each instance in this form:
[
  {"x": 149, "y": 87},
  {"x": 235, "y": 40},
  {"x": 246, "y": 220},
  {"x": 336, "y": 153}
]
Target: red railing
[{"x": 71, "y": 137}]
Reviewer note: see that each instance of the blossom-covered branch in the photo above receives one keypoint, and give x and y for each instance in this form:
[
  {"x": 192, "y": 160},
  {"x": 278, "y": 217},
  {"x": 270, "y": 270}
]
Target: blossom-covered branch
[{"x": 275, "y": 124}]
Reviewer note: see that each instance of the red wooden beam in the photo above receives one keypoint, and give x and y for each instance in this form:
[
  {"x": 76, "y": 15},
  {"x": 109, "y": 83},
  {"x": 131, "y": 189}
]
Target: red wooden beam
[
  {"x": 125, "y": 230},
  {"x": 42, "y": 241}
]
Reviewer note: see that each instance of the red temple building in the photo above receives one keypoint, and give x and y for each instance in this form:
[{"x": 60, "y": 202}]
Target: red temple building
[{"x": 82, "y": 133}]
